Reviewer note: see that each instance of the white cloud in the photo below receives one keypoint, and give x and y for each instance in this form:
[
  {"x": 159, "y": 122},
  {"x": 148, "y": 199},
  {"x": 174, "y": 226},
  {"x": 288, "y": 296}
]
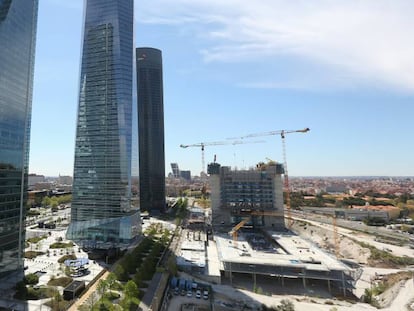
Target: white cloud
[{"x": 367, "y": 41}]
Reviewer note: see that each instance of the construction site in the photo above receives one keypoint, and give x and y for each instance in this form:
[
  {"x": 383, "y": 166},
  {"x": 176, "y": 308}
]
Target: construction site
[
  {"x": 249, "y": 237},
  {"x": 252, "y": 240}
]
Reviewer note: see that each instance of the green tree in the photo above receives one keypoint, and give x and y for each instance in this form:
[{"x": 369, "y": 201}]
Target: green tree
[
  {"x": 46, "y": 202},
  {"x": 137, "y": 279},
  {"x": 102, "y": 286},
  {"x": 54, "y": 203},
  {"x": 111, "y": 279},
  {"x": 367, "y": 297},
  {"x": 120, "y": 273},
  {"x": 285, "y": 305},
  {"x": 131, "y": 289},
  {"x": 31, "y": 279},
  {"x": 172, "y": 265}
]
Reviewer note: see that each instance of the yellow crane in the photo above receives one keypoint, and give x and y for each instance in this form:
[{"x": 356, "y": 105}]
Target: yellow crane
[
  {"x": 216, "y": 143},
  {"x": 282, "y": 134},
  {"x": 234, "y": 231}
]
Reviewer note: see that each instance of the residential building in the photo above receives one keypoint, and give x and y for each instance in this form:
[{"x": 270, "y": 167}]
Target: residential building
[
  {"x": 18, "y": 22},
  {"x": 102, "y": 214},
  {"x": 150, "y": 129},
  {"x": 254, "y": 195}
]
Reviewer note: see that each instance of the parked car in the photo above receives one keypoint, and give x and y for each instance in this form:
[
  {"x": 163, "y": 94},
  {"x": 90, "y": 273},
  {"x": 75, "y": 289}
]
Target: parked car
[
  {"x": 198, "y": 294},
  {"x": 190, "y": 293},
  {"x": 205, "y": 295}
]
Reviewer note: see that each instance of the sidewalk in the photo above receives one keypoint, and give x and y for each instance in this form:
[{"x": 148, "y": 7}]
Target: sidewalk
[{"x": 88, "y": 294}]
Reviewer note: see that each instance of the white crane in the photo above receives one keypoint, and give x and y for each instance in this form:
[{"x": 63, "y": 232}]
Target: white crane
[
  {"x": 282, "y": 134},
  {"x": 216, "y": 143}
]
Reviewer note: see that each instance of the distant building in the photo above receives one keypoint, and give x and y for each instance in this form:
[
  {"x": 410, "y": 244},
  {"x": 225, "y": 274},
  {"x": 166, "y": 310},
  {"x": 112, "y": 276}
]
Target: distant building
[
  {"x": 65, "y": 180},
  {"x": 358, "y": 213},
  {"x": 102, "y": 214},
  {"x": 18, "y": 22},
  {"x": 175, "y": 170},
  {"x": 150, "y": 129},
  {"x": 337, "y": 188},
  {"x": 237, "y": 194},
  {"x": 35, "y": 179},
  {"x": 185, "y": 175}
]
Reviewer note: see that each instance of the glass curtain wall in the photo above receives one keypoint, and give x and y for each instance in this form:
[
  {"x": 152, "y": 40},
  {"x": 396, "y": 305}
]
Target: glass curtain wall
[
  {"x": 102, "y": 216},
  {"x": 18, "y": 20}
]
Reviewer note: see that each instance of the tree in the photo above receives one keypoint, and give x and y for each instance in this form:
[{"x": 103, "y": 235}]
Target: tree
[
  {"x": 31, "y": 279},
  {"x": 111, "y": 279},
  {"x": 120, "y": 273},
  {"x": 129, "y": 303},
  {"x": 131, "y": 289},
  {"x": 102, "y": 286},
  {"x": 137, "y": 279},
  {"x": 54, "y": 202},
  {"x": 46, "y": 202},
  {"x": 285, "y": 305},
  {"x": 172, "y": 265}
]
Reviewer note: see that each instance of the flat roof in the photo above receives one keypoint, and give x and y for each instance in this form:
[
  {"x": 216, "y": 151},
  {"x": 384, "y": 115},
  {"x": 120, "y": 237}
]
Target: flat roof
[
  {"x": 192, "y": 258},
  {"x": 293, "y": 252},
  {"x": 193, "y": 245}
]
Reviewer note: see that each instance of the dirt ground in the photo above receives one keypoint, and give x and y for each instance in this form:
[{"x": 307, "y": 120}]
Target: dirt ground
[{"x": 325, "y": 240}]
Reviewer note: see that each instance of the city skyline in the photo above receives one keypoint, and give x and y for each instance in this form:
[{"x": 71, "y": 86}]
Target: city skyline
[{"x": 237, "y": 68}]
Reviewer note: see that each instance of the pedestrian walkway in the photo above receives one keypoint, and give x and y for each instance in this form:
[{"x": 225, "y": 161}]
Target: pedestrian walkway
[{"x": 85, "y": 297}]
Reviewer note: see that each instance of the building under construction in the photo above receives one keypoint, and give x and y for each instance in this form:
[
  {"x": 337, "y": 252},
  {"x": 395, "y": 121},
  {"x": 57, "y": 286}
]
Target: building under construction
[
  {"x": 255, "y": 196},
  {"x": 250, "y": 236}
]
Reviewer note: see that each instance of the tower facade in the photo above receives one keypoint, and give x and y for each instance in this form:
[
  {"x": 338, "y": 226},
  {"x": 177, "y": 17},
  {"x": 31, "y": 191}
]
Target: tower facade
[
  {"x": 175, "y": 170},
  {"x": 102, "y": 214},
  {"x": 255, "y": 195},
  {"x": 18, "y": 20},
  {"x": 151, "y": 129}
]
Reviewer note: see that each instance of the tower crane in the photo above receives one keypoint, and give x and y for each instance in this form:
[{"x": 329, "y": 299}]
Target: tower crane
[
  {"x": 282, "y": 134},
  {"x": 216, "y": 143}
]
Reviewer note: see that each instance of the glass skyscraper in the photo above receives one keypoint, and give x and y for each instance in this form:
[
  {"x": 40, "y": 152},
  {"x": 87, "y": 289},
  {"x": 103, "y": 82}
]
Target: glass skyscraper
[
  {"x": 151, "y": 129},
  {"x": 18, "y": 20},
  {"x": 102, "y": 214}
]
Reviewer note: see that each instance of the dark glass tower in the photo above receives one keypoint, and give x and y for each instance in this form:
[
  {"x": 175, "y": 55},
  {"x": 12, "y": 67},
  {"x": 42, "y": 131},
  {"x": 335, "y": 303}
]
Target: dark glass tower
[
  {"x": 151, "y": 130},
  {"x": 102, "y": 214},
  {"x": 18, "y": 20}
]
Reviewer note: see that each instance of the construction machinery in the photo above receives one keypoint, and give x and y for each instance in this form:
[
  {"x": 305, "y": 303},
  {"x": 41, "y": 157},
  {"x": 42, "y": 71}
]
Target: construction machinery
[
  {"x": 282, "y": 134},
  {"x": 216, "y": 143}
]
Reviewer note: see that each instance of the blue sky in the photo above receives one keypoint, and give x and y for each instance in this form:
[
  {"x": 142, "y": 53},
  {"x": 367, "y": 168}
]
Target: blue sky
[{"x": 343, "y": 68}]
